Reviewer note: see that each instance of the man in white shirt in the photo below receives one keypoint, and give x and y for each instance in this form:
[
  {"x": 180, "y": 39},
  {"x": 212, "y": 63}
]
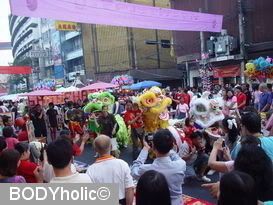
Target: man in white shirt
[
  {"x": 108, "y": 169},
  {"x": 3, "y": 108},
  {"x": 60, "y": 154},
  {"x": 21, "y": 107}
]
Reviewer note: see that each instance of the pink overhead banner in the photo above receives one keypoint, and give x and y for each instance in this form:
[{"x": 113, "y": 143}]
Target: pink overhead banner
[{"x": 115, "y": 13}]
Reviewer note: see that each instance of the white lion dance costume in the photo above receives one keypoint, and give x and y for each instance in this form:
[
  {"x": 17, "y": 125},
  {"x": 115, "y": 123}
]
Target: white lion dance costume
[{"x": 207, "y": 111}]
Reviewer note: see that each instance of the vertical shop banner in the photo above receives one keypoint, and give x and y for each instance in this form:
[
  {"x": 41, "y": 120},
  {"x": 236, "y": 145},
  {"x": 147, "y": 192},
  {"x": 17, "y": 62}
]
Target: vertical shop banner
[
  {"x": 59, "y": 72},
  {"x": 116, "y": 13},
  {"x": 56, "y": 48}
]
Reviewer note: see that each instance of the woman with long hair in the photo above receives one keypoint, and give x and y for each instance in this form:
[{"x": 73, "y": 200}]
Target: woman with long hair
[
  {"x": 237, "y": 188},
  {"x": 230, "y": 128},
  {"x": 152, "y": 189},
  {"x": 254, "y": 161}
]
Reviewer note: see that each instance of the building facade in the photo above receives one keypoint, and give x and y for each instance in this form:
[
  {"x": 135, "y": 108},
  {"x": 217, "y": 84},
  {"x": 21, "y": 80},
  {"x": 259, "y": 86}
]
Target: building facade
[
  {"x": 109, "y": 51},
  {"x": 254, "y": 36},
  {"x": 24, "y": 32},
  {"x": 62, "y": 42}
]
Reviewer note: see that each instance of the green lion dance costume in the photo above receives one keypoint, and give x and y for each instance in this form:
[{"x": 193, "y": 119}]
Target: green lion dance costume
[{"x": 97, "y": 101}]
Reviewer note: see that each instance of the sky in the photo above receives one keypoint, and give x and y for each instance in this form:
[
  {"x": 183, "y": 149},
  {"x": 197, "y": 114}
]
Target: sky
[{"x": 6, "y": 55}]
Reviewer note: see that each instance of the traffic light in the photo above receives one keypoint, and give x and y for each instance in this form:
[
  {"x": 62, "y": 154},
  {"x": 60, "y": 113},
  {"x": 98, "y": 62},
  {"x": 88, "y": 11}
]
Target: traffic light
[{"x": 165, "y": 43}]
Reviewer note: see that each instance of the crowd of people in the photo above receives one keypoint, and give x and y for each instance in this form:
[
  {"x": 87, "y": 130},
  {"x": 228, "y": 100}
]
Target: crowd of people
[{"x": 239, "y": 147}]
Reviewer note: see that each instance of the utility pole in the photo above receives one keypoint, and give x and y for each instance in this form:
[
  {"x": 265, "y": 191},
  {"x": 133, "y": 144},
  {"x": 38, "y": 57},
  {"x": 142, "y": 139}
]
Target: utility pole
[
  {"x": 95, "y": 48},
  {"x": 242, "y": 38},
  {"x": 202, "y": 38},
  {"x": 202, "y": 45},
  {"x": 157, "y": 46},
  {"x": 135, "y": 53},
  {"x": 132, "y": 46}
]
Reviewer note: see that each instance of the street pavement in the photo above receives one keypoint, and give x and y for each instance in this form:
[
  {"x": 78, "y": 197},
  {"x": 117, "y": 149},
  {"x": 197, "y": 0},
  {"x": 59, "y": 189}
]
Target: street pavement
[{"x": 192, "y": 188}]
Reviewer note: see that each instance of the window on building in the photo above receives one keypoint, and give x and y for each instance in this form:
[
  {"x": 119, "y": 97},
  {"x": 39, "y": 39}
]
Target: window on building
[{"x": 77, "y": 43}]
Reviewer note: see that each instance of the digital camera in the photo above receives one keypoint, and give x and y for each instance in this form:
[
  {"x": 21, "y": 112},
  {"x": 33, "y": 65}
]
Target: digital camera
[{"x": 149, "y": 138}]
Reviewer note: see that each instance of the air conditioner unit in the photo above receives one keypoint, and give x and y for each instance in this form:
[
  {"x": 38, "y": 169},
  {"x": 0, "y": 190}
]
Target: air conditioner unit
[
  {"x": 82, "y": 72},
  {"x": 72, "y": 76}
]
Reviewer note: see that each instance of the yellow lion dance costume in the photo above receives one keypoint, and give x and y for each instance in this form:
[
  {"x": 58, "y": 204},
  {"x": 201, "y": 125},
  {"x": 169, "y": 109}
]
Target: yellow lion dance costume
[{"x": 155, "y": 109}]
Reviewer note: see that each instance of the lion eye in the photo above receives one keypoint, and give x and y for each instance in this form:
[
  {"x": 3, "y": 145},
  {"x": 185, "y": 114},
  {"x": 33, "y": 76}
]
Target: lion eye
[{"x": 201, "y": 108}]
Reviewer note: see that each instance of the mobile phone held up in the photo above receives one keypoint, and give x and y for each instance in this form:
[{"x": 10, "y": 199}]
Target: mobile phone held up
[{"x": 224, "y": 144}]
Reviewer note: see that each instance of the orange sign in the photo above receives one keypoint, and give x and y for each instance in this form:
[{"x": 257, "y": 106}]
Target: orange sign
[
  {"x": 65, "y": 26},
  {"x": 226, "y": 71}
]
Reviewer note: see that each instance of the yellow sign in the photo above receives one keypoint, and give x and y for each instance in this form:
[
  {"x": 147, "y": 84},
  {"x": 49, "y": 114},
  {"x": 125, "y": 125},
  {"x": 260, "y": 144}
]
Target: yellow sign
[{"x": 65, "y": 26}]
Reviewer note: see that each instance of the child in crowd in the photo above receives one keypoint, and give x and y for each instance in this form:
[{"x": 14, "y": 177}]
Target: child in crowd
[
  {"x": 189, "y": 127},
  {"x": 27, "y": 169},
  {"x": 182, "y": 109},
  {"x": 9, "y": 160},
  {"x": 8, "y": 134}
]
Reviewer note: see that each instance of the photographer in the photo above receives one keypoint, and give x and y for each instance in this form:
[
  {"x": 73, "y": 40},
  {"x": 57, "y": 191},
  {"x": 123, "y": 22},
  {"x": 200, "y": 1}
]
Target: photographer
[
  {"x": 167, "y": 162},
  {"x": 193, "y": 152}
]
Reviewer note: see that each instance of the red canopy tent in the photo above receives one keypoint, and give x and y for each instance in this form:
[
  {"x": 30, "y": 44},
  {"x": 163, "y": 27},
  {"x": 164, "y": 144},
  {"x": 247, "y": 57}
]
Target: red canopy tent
[
  {"x": 42, "y": 93},
  {"x": 43, "y": 97}
]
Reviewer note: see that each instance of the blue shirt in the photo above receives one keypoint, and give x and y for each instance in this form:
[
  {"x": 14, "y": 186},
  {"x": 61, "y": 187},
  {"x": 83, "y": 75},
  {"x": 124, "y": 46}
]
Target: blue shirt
[
  {"x": 266, "y": 144},
  {"x": 265, "y": 98},
  {"x": 172, "y": 167}
]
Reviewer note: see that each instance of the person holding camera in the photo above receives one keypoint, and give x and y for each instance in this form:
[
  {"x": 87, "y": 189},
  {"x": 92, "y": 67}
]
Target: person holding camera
[
  {"x": 167, "y": 162},
  {"x": 193, "y": 152}
]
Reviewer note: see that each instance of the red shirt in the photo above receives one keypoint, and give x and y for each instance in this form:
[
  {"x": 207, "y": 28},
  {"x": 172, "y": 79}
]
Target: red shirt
[
  {"x": 188, "y": 130},
  {"x": 185, "y": 96},
  {"x": 22, "y": 136},
  {"x": 241, "y": 97},
  {"x": 26, "y": 169},
  {"x": 76, "y": 150},
  {"x": 178, "y": 96},
  {"x": 131, "y": 115}
]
